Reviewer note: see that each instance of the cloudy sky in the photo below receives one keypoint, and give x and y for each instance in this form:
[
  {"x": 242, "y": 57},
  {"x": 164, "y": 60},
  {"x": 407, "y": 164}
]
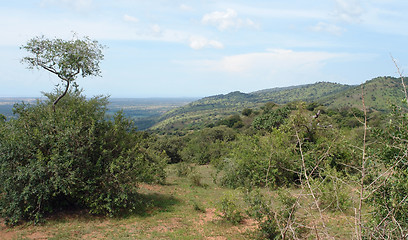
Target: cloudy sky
[{"x": 197, "y": 48}]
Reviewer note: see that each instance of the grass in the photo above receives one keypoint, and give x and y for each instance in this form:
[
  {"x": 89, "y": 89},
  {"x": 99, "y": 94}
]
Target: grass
[{"x": 179, "y": 209}]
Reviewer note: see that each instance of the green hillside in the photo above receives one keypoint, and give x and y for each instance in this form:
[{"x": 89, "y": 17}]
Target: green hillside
[
  {"x": 210, "y": 109},
  {"x": 379, "y": 94}
]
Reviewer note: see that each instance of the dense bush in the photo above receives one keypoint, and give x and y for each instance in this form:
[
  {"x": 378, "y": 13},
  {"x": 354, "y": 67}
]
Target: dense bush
[
  {"x": 233, "y": 121},
  {"x": 260, "y": 209},
  {"x": 390, "y": 200},
  {"x": 170, "y": 146},
  {"x": 271, "y": 119},
  {"x": 247, "y": 112},
  {"x": 258, "y": 161},
  {"x": 230, "y": 210},
  {"x": 73, "y": 157},
  {"x": 207, "y": 145}
]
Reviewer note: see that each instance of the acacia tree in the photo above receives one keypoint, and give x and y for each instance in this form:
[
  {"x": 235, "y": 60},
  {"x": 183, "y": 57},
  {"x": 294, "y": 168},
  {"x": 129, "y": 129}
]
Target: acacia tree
[{"x": 67, "y": 59}]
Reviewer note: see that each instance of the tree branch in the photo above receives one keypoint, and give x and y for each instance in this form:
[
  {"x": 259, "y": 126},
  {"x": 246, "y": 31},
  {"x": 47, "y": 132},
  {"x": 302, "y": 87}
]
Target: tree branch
[
  {"x": 402, "y": 78},
  {"x": 61, "y": 96}
]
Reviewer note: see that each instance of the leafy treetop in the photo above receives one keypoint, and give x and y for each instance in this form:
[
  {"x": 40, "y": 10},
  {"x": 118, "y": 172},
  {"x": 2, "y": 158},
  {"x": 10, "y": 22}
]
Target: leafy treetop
[{"x": 65, "y": 58}]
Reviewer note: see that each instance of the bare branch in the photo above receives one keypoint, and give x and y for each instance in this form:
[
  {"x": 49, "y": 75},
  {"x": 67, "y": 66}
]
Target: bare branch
[
  {"x": 310, "y": 187},
  {"x": 359, "y": 220},
  {"x": 402, "y": 78}
]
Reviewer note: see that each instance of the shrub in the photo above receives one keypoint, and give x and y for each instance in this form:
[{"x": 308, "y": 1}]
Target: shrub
[
  {"x": 271, "y": 119},
  {"x": 247, "y": 112},
  {"x": 170, "y": 145},
  {"x": 207, "y": 145},
  {"x": 73, "y": 157},
  {"x": 332, "y": 192},
  {"x": 183, "y": 169},
  {"x": 195, "y": 179},
  {"x": 258, "y": 161},
  {"x": 260, "y": 209},
  {"x": 198, "y": 207},
  {"x": 390, "y": 200},
  {"x": 229, "y": 209}
]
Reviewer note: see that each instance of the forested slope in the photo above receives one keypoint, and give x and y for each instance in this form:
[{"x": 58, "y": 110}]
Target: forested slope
[{"x": 380, "y": 93}]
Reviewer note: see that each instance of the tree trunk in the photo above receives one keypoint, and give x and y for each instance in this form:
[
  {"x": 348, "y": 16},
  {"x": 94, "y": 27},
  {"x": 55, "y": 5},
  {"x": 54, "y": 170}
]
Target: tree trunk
[{"x": 61, "y": 96}]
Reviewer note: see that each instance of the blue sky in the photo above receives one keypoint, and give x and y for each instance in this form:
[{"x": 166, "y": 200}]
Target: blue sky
[{"x": 197, "y": 48}]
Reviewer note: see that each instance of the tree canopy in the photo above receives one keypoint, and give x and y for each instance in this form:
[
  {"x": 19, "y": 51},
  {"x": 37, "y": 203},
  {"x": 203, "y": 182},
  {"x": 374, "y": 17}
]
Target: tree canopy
[{"x": 67, "y": 59}]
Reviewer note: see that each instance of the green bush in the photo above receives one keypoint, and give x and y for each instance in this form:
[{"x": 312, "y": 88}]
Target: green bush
[
  {"x": 183, "y": 169},
  {"x": 260, "y": 209},
  {"x": 271, "y": 119},
  {"x": 170, "y": 145},
  {"x": 230, "y": 210},
  {"x": 207, "y": 145},
  {"x": 258, "y": 161},
  {"x": 247, "y": 112},
  {"x": 390, "y": 200},
  {"x": 73, "y": 157},
  {"x": 233, "y": 121},
  {"x": 332, "y": 191},
  {"x": 195, "y": 179}
]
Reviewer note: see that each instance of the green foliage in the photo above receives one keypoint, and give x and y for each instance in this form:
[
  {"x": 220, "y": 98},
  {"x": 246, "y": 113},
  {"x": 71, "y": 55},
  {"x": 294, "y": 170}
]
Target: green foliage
[
  {"x": 271, "y": 119},
  {"x": 273, "y": 218},
  {"x": 73, "y": 157},
  {"x": 332, "y": 192},
  {"x": 258, "y": 161},
  {"x": 64, "y": 58},
  {"x": 390, "y": 200},
  {"x": 183, "y": 169},
  {"x": 346, "y": 117},
  {"x": 233, "y": 121},
  {"x": 198, "y": 207},
  {"x": 209, "y": 110},
  {"x": 195, "y": 179},
  {"x": 380, "y": 92},
  {"x": 247, "y": 112},
  {"x": 230, "y": 210},
  {"x": 170, "y": 145},
  {"x": 207, "y": 145}
]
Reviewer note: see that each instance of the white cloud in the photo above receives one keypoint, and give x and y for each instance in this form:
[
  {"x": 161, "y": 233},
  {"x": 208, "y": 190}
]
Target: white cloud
[
  {"x": 271, "y": 63},
  {"x": 156, "y": 28},
  {"x": 129, "y": 18},
  {"x": 198, "y": 42},
  {"x": 227, "y": 19},
  {"x": 349, "y": 11},
  {"x": 185, "y": 7},
  {"x": 273, "y": 67},
  {"x": 327, "y": 27},
  {"x": 75, "y": 4}
]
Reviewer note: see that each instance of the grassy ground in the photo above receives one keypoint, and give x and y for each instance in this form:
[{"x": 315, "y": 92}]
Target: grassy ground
[{"x": 177, "y": 210}]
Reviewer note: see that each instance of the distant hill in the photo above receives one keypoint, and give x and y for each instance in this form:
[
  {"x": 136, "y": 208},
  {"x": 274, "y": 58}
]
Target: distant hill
[
  {"x": 209, "y": 109},
  {"x": 379, "y": 94}
]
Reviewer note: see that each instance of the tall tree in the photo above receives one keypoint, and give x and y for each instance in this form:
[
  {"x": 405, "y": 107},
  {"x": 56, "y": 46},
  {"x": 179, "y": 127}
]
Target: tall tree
[{"x": 67, "y": 59}]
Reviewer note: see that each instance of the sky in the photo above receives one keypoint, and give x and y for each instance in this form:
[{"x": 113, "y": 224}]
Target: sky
[{"x": 198, "y": 48}]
